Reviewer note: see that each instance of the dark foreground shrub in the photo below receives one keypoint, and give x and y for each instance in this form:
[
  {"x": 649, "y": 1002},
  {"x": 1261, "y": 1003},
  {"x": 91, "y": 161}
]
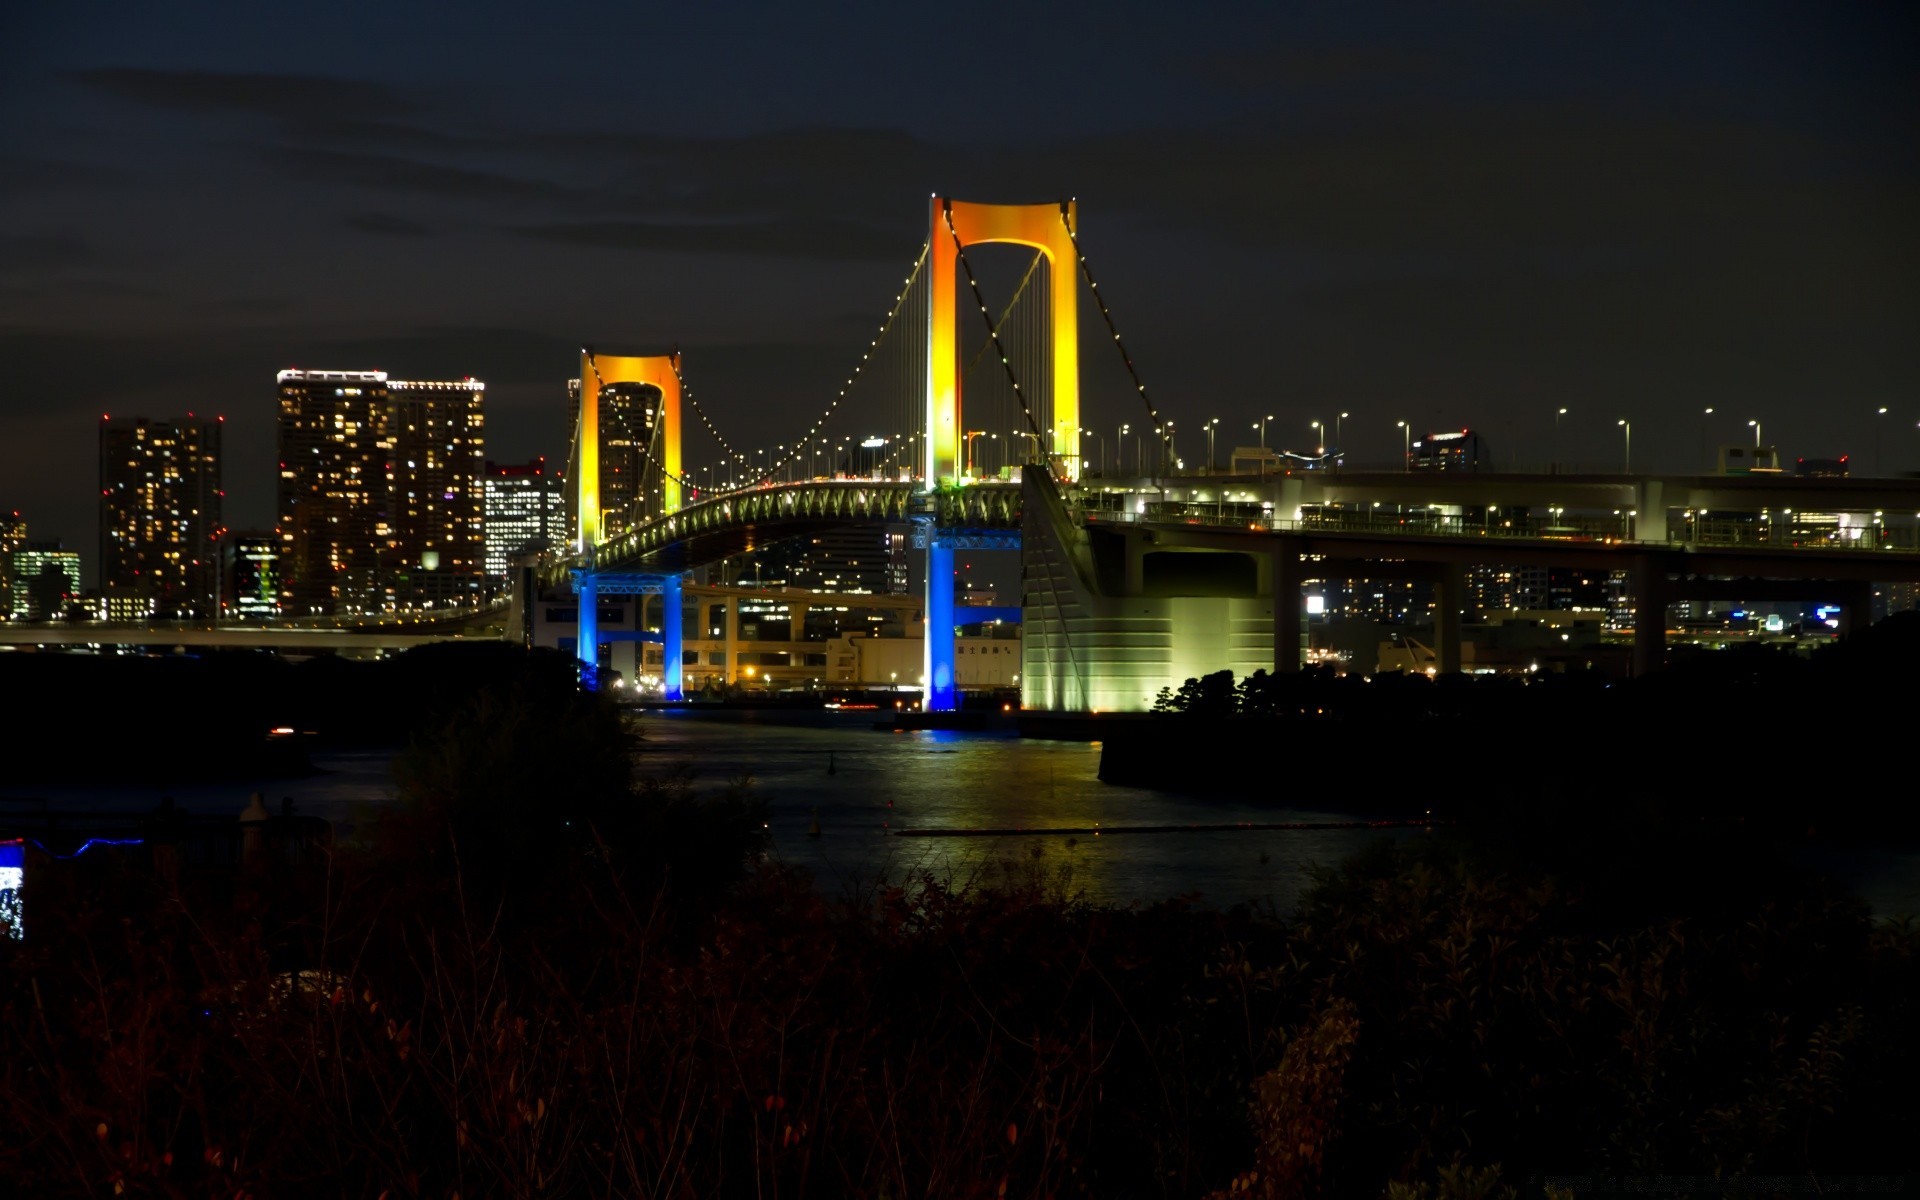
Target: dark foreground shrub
[{"x": 1428, "y": 1022}]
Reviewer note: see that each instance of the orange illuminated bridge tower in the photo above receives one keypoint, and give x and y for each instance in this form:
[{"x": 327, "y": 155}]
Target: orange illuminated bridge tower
[{"x": 955, "y": 225}]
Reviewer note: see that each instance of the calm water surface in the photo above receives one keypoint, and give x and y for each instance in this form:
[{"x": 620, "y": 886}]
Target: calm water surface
[{"x": 865, "y": 787}]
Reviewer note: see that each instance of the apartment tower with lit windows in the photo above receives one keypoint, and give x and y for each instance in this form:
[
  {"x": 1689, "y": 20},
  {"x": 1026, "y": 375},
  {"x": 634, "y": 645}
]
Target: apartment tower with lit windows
[
  {"x": 160, "y": 516},
  {"x": 380, "y": 496}
]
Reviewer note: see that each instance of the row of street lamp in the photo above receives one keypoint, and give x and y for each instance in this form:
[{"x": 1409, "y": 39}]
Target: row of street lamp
[{"x": 739, "y": 463}]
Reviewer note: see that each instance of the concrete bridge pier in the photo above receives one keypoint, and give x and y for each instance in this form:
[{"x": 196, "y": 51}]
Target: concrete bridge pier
[
  {"x": 1651, "y": 595},
  {"x": 1449, "y": 597},
  {"x": 1856, "y": 607},
  {"x": 1287, "y": 607}
]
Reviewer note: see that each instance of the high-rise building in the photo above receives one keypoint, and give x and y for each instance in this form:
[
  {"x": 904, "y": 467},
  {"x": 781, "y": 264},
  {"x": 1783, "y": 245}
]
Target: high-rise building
[
  {"x": 160, "y": 515},
  {"x": 334, "y": 490},
  {"x": 437, "y": 514},
  {"x": 524, "y": 512},
  {"x": 250, "y": 575},
  {"x": 380, "y": 498},
  {"x": 13, "y": 538},
  {"x": 46, "y": 580}
]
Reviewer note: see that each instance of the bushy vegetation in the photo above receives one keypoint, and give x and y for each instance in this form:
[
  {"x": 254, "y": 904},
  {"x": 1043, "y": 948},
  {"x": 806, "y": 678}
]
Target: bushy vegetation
[
  {"x": 547, "y": 978},
  {"x": 1443, "y": 1017}
]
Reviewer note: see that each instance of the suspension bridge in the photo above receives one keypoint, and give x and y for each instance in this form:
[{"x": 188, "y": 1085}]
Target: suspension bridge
[{"x": 1130, "y": 582}]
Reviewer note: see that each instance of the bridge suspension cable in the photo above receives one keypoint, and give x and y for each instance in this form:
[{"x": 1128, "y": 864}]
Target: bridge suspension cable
[
  {"x": 1106, "y": 314},
  {"x": 900, "y": 304},
  {"x": 686, "y": 394}
]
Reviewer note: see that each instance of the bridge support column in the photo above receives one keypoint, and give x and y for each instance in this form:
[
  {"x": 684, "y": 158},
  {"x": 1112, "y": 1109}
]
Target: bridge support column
[
  {"x": 586, "y": 593},
  {"x": 671, "y": 656},
  {"x": 940, "y": 692},
  {"x": 1856, "y": 608},
  {"x": 1287, "y": 610},
  {"x": 1650, "y": 519},
  {"x": 1651, "y": 593},
  {"x": 1449, "y": 597}
]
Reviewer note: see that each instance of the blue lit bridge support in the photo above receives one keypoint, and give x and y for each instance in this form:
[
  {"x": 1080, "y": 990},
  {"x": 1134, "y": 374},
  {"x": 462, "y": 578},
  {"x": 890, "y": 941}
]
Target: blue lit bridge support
[
  {"x": 589, "y": 586},
  {"x": 940, "y": 693},
  {"x": 671, "y": 656},
  {"x": 586, "y": 642}
]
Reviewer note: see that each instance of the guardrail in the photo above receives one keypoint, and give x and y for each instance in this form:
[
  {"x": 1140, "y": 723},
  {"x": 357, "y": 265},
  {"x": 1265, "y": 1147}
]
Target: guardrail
[{"x": 1766, "y": 534}]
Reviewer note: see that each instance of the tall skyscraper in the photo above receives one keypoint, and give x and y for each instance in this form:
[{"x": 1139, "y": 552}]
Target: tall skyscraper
[
  {"x": 160, "y": 515},
  {"x": 438, "y": 434},
  {"x": 524, "y": 511},
  {"x": 380, "y": 501},
  {"x": 13, "y": 539},
  {"x": 334, "y": 490}
]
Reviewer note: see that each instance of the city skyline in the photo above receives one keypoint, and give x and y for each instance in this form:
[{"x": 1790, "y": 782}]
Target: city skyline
[{"x": 1471, "y": 219}]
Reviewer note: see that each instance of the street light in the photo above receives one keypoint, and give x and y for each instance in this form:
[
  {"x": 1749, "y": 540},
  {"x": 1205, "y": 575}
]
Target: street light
[
  {"x": 1879, "y": 463},
  {"x": 1103, "y": 448},
  {"x": 1406, "y": 448},
  {"x": 1756, "y": 433},
  {"x": 1319, "y": 436},
  {"x": 1120, "y": 447},
  {"x": 1704, "y": 414},
  {"x": 1558, "y": 413},
  {"x": 1261, "y": 425},
  {"x": 1210, "y": 427},
  {"x": 1626, "y": 425},
  {"x": 1337, "y": 418},
  {"x": 970, "y": 435}
]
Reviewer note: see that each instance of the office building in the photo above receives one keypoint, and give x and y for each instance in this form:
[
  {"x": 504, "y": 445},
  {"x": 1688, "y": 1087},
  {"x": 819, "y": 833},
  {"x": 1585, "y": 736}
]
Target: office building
[
  {"x": 46, "y": 581},
  {"x": 160, "y": 515},
  {"x": 380, "y": 499},
  {"x": 13, "y": 538},
  {"x": 851, "y": 559},
  {"x": 250, "y": 575},
  {"x": 524, "y": 512}
]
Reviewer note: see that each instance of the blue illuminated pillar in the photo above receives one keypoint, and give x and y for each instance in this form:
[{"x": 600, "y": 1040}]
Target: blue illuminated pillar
[
  {"x": 586, "y": 594},
  {"x": 670, "y": 653},
  {"x": 941, "y": 694}
]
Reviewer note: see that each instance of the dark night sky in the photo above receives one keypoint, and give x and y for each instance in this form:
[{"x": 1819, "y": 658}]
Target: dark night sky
[{"x": 1460, "y": 215}]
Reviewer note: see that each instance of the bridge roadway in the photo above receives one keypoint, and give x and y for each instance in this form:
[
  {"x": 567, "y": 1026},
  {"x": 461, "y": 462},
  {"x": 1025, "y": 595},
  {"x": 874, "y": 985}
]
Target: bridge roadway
[
  {"x": 394, "y": 634},
  {"x": 737, "y": 522}
]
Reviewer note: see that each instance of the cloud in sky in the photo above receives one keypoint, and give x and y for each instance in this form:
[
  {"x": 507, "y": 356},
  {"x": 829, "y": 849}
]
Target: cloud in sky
[{"x": 1477, "y": 214}]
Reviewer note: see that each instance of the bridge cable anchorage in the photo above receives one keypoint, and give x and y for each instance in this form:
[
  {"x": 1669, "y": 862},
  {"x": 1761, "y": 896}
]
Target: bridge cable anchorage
[
  {"x": 686, "y": 394},
  {"x": 899, "y": 303},
  {"x": 993, "y": 334},
  {"x": 1106, "y": 314}
]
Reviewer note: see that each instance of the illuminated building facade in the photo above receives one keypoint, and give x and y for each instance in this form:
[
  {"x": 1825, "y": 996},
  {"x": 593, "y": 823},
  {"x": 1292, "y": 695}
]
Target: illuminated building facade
[
  {"x": 46, "y": 581},
  {"x": 437, "y": 432},
  {"x": 334, "y": 490},
  {"x": 847, "y": 560},
  {"x": 160, "y": 515},
  {"x": 380, "y": 498},
  {"x": 250, "y": 570},
  {"x": 524, "y": 512},
  {"x": 13, "y": 538}
]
